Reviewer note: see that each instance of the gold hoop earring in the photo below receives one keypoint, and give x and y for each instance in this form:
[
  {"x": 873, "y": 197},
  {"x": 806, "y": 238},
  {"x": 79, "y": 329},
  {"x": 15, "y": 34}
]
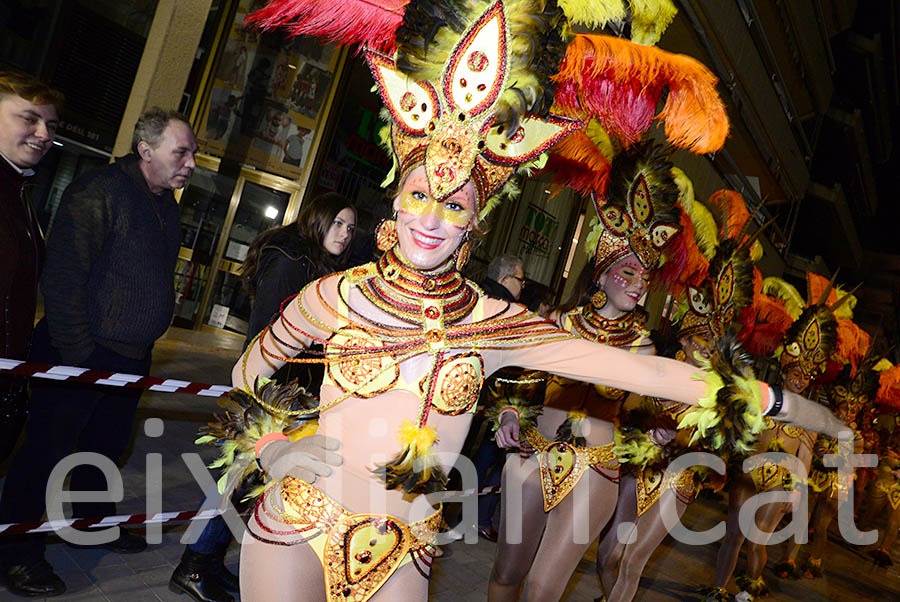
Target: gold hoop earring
[{"x": 386, "y": 234}]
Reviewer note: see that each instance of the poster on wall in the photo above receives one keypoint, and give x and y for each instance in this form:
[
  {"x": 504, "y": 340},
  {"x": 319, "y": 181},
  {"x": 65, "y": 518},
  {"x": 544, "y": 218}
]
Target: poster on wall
[{"x": 266, "y": 97}]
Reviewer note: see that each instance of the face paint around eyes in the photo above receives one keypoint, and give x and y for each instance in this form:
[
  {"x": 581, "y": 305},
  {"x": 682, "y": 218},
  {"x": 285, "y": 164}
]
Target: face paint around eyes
[{"x": 422, "y": 207}]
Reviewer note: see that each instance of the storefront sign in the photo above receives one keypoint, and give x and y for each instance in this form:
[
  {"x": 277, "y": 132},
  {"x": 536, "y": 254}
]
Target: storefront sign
[{"x": 537, "y": 231}]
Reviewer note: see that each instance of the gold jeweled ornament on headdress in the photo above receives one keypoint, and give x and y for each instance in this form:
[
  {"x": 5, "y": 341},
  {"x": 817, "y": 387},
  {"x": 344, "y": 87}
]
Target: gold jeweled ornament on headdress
[
  {"x": 449, "y": 124},
  {"x": 633, "y": 230},
  {"x": 728, "y": 288}
]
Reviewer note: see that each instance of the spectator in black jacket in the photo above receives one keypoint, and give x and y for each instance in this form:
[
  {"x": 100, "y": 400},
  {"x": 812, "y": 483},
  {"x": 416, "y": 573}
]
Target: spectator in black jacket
[
  {"x": 279, "y": 263},
  {"x": 29, "y": 114},
  {"x": 108, "y": 288}
]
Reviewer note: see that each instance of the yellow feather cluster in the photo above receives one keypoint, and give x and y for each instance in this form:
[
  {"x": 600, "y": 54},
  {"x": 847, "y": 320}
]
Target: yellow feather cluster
[
  {"x": 778, "y": 288},
  {"x": 649, "y": 19},
  {"x": 593, "y": 237},
  {"x": 419, "y": 439},
  {"x": 637, "y": 449},
  {"x": 593, "y": 13},
  {"x": 705, "y": 231},
  {"x": 595, "y": 132}
]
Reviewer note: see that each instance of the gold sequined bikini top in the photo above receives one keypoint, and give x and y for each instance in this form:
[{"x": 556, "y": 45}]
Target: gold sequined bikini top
[{"x": 454, "y": 381}]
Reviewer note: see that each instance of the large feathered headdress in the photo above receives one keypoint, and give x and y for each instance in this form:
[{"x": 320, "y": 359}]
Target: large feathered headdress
[
  {"x": 470, "y": 86},
  {"x": 716, "y": 305},
  {"x": 813, "y": 337}
]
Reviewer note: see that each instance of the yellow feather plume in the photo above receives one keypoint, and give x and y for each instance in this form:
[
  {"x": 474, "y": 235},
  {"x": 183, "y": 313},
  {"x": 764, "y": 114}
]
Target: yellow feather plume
[
  {"x": 600, "y": 138},
  {"x": 649, "y": 19},
  {"x": 778, "y": 288},
  {"x": 593, "y": 13},
  {"x": 882, "y": 365},
  {"x": 702, "y": 220}
]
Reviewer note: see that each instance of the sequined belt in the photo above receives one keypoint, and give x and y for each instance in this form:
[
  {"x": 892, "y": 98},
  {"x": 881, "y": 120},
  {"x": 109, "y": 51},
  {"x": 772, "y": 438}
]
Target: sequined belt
[
  {"x": 562, "y": 465},
  {"x": 359, "y": 552}
]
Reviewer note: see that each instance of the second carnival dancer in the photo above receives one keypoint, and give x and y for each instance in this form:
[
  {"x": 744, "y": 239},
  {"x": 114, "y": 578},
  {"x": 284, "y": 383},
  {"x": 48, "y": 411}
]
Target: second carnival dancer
[
  {"x": 808, "y": 343},
  {"x": 851, "y": 395},
  {"x": 408, "y": 340},
  {"x": 711, "y": 311}
]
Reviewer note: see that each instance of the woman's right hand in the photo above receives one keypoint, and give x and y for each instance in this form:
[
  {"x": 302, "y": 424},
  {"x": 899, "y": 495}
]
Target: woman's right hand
[{"x": 306, "y": 459}]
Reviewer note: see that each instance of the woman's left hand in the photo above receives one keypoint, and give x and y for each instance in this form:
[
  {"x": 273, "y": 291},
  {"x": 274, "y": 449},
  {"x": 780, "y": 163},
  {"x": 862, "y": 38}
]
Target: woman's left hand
[{"x": 508, "y": 433}]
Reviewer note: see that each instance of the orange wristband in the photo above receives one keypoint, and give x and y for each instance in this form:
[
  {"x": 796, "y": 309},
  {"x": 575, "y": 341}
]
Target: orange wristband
[{"x": 268, "y": 439}]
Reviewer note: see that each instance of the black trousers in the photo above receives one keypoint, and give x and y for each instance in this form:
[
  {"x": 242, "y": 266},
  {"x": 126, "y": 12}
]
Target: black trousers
[{"x": 65, "y": 417}]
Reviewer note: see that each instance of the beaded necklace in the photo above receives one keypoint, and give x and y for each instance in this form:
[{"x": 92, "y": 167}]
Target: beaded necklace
[
  {"x": 617, "y": 332},
  {"x": 411, "y": 295}
]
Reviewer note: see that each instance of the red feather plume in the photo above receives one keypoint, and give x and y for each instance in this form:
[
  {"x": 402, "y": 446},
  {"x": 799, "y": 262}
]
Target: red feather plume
[{"x": 372, "y": 23}]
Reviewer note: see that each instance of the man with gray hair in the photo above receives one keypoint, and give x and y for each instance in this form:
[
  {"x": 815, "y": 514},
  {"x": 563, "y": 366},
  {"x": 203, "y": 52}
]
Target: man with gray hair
[
  {"x": 505, "y": 278},
  {"x": 108, "y": 286}
]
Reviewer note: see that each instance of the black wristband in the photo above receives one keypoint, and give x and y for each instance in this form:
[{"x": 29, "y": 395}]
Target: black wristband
[{"x": 777, "y": 401}]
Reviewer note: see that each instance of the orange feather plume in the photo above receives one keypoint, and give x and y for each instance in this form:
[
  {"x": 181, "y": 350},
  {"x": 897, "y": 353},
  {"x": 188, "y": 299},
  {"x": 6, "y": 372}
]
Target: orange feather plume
[
  {"x": 852, "y": 343},
  {"x": 619, "y": 83},
  {"x": 580, "y": 164},
  {"x": 889, "y": 387}
]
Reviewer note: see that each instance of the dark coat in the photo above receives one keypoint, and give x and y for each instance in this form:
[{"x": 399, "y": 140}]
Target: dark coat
[
  {"x": 21, "y": 258},
  {"x": 285, "y": 267},
  {"x": 110, "y": 273},
  {"x": 492, "y": 288}
]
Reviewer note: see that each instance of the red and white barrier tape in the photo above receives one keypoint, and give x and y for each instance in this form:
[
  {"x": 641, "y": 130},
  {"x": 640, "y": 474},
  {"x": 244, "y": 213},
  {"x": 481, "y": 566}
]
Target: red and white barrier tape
[
  {"x": 112, "y": 379},
  {"x": 106, "y": 521},
  {"x": 132, "y": 519}
]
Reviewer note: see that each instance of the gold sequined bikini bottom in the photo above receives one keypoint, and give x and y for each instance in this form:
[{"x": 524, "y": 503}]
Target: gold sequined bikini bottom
[
  {"x": 358, "y": 552},
  {"x": 650, "y": 485},
  {"x": 891, "y": 488},
  {"x": 562, "y": 465}
]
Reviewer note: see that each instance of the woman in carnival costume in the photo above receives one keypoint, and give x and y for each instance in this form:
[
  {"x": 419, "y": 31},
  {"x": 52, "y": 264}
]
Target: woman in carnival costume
[
  {"x": 407, "y": 340},
  {"x": 850, "y": 395},
  {"x": 572, "y": 436},
  {"x": 883, "y": 493},
  {"x": 808, "y": 343},
  {"x": 711, "y": 313}
]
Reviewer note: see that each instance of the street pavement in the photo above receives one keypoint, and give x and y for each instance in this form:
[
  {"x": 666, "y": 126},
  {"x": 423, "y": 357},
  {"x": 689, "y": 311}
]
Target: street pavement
[{"x": 675, "y": 572}]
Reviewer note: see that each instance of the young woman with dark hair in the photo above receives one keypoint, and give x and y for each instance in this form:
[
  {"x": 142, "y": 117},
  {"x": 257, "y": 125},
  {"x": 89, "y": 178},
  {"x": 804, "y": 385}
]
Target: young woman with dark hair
[{"x": 282, "y": 260}]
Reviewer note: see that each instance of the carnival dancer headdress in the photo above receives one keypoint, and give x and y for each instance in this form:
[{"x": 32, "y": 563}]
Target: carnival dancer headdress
[
  {"x": 813, "y": 336},
  {"x": 717, "y": 303},
  {"x": 469, "y": 86}
]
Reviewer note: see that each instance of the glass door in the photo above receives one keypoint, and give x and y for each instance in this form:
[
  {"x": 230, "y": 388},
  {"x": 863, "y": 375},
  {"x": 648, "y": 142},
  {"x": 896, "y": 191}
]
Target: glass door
[
  {"x": 205, "y": 204},
  {"x": 259, "y": 208}
]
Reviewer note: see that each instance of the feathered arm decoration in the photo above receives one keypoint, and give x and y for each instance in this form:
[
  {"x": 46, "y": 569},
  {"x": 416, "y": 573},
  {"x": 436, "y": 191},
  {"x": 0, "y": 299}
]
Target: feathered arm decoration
[
  {"x": 372, "y": 23},
  {"x": 619, "y": 83},
  {"x": 246, "y": 420},
  {"x": 730, "y": 415}
]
